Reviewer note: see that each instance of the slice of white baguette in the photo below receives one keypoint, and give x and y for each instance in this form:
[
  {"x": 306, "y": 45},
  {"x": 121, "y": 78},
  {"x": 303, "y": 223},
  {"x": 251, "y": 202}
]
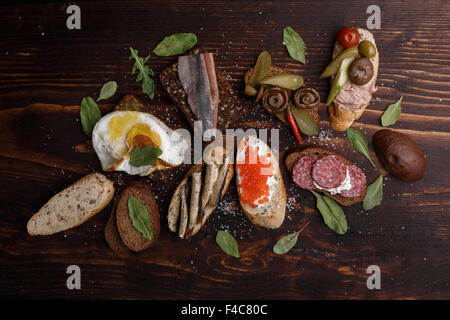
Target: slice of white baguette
[
  {"x": 340, "y": 117},
  {"x": 73, "y": 205},
  {"x": 271, "y": 214}
]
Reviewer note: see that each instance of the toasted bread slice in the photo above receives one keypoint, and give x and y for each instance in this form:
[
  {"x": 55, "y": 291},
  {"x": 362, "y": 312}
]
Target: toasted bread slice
[
  {"x": 73, "y": 205},
  {"x": 271, "y": 213},
  {"x": 274, "y": 70},
  {"x": 130, "y": 236},
  {"x": 319, "y": 152},
  {"x": 199, "y": 193},
  {"x": 231, "y": 107},
  {"x": 340, "y": 116},
  {"x": 112, "y": 234}
]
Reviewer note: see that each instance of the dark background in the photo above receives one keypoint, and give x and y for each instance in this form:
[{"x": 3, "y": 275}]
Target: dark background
[{"x": 46, "y": 69}]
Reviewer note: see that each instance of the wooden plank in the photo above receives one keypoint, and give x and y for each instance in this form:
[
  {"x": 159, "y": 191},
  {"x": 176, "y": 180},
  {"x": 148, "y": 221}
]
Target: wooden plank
[{"x": 46, "y": 69}]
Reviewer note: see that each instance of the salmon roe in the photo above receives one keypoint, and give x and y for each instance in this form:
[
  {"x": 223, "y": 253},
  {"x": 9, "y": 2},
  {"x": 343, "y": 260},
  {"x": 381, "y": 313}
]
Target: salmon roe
[{"x": 253, "y": 180}]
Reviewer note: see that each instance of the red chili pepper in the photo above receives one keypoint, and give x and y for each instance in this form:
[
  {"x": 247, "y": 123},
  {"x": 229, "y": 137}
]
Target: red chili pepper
[{"x": 294, "y": 126}]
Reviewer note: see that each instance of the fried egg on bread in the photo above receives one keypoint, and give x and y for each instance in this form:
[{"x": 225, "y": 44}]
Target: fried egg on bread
[{"x": 116, "y": 135}]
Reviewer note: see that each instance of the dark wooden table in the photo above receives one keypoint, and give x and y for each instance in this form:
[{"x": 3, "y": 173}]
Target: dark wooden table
[{"x": 45, "y": 70}]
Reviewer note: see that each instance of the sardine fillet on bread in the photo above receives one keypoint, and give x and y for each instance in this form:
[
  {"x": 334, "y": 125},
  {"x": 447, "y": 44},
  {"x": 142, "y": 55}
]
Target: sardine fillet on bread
[
  {"x": 341, "y": 116},
  {"x": 199, "y": 193},
  {"x": 73, "y": 205}
]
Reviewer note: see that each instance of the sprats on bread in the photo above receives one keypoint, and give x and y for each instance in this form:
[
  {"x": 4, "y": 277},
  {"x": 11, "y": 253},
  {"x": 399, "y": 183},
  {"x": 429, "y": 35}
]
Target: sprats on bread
[
  {"x": 130, "y": 236},
  {"x": 73, "y": 205},
  {"x": 199, "y": 193},
  {"x": 319, "y": 152}
]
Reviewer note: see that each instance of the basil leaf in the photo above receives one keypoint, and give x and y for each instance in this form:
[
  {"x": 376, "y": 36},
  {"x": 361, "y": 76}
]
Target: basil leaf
[
  {"x": 176, "y": 43},
  {"x": 392, "y": 113},
  {"x": 139, "y": 217},
  {"x": 286, "y": 243},
  {"x": 359, "y": 142},
  {"x": 294, "y": 44},
  {"x": 89, "y": 114},
  {"x": 145, "y": 156},
  {"x": 145, "y": 73},
  {"x": 107, "y": 91},
  {"x": 227, "y": 243},
  {"x": 332, "y": 213},
  {"x": 374, "y": 194}
]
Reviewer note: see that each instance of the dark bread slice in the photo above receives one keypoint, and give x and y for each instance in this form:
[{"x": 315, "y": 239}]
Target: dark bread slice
[
  {"x": 274, "y": 70},
  {"x": 231, "y": 107},
  {"x": 131, "y": 237},
  {"x": 319, "y": 152},
  {"x": 112, "y": 234}
]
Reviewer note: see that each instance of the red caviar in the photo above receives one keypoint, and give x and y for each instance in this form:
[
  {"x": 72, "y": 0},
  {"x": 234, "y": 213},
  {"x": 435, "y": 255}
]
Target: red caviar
[{"x": 252, "y": 180}]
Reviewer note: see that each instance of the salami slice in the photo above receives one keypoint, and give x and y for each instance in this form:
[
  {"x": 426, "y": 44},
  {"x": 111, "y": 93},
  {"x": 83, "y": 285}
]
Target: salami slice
[
  {"x": 301, "y": 173},
  {"x": 329, "y": 172},
  {"x": 357, "y": 180}
]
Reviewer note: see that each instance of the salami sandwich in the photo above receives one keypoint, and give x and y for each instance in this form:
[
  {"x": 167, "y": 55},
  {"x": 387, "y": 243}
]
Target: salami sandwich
[{"x": 326, "y": 171}]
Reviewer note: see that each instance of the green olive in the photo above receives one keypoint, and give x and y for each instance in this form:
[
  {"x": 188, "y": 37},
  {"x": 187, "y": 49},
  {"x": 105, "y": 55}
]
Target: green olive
[{"x": 367, "y": 49}]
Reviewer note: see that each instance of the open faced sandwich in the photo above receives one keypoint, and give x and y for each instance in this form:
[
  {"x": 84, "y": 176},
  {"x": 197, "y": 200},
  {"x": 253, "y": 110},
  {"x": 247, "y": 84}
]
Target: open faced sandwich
[
  {"x": 284, "y": 94},
  {"x": 353, "y": 73},
  {"x": 199, "y": 193},
  {"x": 126, "y": 140},
  {"x": 324, "y": 170},
  {"x": 262, "y": 195}
]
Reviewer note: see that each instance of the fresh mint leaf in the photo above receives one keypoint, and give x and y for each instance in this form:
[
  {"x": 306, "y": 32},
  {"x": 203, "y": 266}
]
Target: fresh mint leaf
[
  {"x": 139, "y": 217},
  {"x": 145, "y": 156},
  {"x": 176, "y": 43},
  {"x": 89, "y": 114},
  {"x": 107, "y": 91}
]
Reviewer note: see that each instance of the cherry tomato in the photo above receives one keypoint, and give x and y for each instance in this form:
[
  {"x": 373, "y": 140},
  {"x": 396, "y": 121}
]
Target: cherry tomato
[{"x": 348, "y": 37}]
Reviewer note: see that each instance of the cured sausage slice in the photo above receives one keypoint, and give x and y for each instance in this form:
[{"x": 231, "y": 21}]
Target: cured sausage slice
[
  {"x": 301, "y": 173},
  {"x": 357, "y": 180},
  {"x": 329, "y": 172}
]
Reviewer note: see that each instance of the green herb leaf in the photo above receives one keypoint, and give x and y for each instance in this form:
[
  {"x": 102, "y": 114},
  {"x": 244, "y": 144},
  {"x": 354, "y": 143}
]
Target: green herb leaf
[
  {"x": 89, "y": 114},
  {"x": 374, "y": 194},
  {"x": 176, "y": 43},
  {"x": 392, "y": 113},
  {"x": 287, "y": 242},
  {"x": 294, "y": 44},
  {"x": 145, "y": 156},
  {"x": 145, "y": 73},
  {"x": 227, "y": 243},
  {"x": 359, "y": 142},
  {"x": 107, "y": 91},
  {"x": 139, "y": 217},
  {"x": 332, "y": 213}
]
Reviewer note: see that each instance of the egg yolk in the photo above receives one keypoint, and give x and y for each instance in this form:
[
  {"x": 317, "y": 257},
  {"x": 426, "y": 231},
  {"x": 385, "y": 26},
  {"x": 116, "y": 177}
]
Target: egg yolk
[
  {"x": 127, "y": 125},
  {"x": 253, "y": 184},
  {"x": 141, "y": 129}
]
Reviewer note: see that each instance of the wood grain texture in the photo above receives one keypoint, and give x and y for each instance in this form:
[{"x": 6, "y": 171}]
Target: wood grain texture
[{"x": 46, "y": 69}]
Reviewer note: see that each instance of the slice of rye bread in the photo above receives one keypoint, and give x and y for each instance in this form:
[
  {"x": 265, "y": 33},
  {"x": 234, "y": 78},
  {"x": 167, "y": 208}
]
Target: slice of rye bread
[
  {"x": 274, "y": 70},
  {"x": 73, "y": 205},
  {"x": 231, "y": 107},
  {"x": 130, "y": 236},
  {"x": 112, "y": 234},
  {"x": 319, "y": 152}
]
